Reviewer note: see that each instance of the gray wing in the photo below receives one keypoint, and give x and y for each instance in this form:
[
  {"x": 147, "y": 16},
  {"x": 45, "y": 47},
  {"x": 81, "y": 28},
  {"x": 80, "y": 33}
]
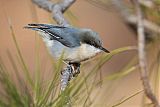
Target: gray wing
[{"x": 65, "y": 35}]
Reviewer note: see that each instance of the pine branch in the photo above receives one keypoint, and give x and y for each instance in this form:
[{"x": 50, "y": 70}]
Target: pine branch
[{"x": 142, "y": 56}]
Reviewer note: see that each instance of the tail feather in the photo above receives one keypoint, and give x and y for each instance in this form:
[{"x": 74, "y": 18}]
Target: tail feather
[
  {"x": 33, "y": 28},
  {"x": 43, "y": 26}
]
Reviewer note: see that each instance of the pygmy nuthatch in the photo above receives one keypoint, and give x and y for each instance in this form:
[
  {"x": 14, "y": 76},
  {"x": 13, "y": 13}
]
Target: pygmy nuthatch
[{"x": 77, "y": 44}]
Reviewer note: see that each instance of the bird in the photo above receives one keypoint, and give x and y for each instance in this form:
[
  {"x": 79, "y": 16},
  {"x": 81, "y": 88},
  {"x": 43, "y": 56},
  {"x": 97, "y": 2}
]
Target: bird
[{"x": 76, "y": 44}]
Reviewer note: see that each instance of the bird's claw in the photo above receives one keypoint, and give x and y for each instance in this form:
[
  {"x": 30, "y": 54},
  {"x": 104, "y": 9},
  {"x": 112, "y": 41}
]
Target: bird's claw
[{"x": 75, "y": 69}]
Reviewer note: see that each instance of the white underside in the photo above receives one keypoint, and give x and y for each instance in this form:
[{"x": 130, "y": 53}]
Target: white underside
[{"x": 76, "y": 54}]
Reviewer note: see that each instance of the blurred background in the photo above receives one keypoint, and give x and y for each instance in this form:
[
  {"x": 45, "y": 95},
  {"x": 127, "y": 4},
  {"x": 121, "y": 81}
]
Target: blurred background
[{"x": 104, "y": 19}]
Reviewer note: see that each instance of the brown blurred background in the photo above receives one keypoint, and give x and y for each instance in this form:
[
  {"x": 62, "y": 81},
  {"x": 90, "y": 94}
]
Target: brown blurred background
[{"x": 107, "y": 23}]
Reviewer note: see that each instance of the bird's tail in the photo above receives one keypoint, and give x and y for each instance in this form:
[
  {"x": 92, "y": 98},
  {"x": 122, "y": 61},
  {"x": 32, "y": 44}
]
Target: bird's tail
[{"x": 42, "y": 26}]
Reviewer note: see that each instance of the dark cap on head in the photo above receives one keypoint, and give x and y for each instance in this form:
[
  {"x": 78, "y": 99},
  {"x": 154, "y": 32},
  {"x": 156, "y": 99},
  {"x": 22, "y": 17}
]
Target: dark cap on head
[{"x": 92, "y": 38}]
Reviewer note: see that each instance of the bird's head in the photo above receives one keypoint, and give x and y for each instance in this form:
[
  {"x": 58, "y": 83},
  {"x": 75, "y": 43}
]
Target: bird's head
[{"x": 92, "y": 38}]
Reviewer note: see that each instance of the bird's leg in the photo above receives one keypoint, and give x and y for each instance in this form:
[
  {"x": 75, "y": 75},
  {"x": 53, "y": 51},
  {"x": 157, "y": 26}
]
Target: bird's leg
[{"x": 75, "y": 68}]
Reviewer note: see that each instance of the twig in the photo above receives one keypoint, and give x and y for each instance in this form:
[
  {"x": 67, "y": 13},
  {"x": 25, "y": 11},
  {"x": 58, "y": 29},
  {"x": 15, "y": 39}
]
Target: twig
[
  {"x": 142, "y": 56},
  {"x": 132, "y": 19},
  {"x": 57, "y": 10},
  {"x": 65, "y": 77}
]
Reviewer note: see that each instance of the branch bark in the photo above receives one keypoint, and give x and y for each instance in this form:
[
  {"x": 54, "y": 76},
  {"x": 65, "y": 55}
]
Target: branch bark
[
  {"x": 132, "y": 19},
  {"x": 142, "y": 56},
  {"x": 57, "y": 10}
]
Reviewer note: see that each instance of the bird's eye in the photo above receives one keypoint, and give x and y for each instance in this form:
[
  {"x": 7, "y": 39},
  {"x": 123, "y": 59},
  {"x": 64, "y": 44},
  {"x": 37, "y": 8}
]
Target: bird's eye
[
  {"x": 100, "y": 43},
  {"x": 92, "y": 43}
]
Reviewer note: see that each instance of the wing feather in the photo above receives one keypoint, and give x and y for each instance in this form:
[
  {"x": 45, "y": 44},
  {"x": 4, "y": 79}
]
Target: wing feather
[{"x": 68, "y": 36}]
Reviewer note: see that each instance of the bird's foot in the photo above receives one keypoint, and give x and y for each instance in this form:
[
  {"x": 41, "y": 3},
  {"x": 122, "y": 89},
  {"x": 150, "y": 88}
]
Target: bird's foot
[{"x": 75, "y": 69}]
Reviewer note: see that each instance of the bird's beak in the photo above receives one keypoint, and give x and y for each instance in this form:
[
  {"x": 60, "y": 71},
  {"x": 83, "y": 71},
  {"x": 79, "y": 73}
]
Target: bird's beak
[{"x": 105, "y": 50}]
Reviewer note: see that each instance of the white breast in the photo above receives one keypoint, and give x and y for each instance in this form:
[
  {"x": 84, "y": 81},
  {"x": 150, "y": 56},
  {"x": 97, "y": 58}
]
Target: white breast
[
  {"x": 76, "y": 54},
  {"x": 82, "y": 53}
]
